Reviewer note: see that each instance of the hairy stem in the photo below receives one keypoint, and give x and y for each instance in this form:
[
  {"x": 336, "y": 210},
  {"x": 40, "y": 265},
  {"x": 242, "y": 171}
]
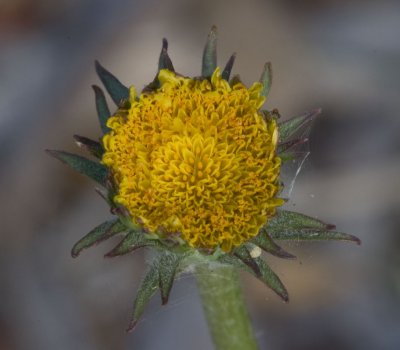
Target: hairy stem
[{"x": 224, "y": 308}]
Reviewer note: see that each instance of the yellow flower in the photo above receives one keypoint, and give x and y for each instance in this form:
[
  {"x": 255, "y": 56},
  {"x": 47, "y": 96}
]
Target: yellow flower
[
  {"x": 191, "y": 167},
  {"x": 195, "y": 159}
]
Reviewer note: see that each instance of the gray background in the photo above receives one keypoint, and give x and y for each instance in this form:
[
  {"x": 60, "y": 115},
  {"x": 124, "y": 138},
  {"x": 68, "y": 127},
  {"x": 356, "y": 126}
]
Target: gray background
[{"x": 338, "y": 55}]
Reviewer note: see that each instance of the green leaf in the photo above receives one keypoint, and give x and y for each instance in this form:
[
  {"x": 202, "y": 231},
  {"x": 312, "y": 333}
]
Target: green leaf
[
  {"x": 226, "y": 73},
  {"x": 146, "y": 290},
  {"x": 94, "y": 170},
  {"x": 314, "y": 235},
  {"x": 266, "y": 79},
  {"x": 164, "y": 62},
  {"x": 290, "y": 127},
  {"x": 269, "y": 278},
  {"x": 265, "y": 242},
  {"x": 169, "y": 263},
  {"x": 285, "y": 220},
  {"x": 93, "y": 147},
  {"x": 132, "y": 241},
  {"x": 114, "y": 87},
  {"x": 98, "y": 234},
  {"x": 103, "y": 111},
  {"x": 209, "y": 63}
]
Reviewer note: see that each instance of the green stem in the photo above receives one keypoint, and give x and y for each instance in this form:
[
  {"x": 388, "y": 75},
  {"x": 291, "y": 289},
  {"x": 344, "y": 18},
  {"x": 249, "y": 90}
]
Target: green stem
[{"x": 224, "y": 307}]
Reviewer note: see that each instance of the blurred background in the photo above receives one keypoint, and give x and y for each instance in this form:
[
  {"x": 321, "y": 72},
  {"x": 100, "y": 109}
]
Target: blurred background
[{"x": 338, "y": 55}]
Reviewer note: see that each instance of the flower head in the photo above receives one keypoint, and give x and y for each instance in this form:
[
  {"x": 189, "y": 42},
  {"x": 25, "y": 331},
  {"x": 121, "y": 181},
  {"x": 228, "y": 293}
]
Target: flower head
[
  {"x": 191, "y": 168},
  {"x": 195, "y": 158}
]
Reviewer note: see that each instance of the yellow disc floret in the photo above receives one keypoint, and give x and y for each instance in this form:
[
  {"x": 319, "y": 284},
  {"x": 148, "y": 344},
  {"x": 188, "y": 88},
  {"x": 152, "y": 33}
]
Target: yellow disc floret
[{"x": 195, "y": 159}]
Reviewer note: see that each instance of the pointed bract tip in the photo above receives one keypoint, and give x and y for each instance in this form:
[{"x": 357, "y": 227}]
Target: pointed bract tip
[
  {"x": 356, "y": 240},
  {"x": 113, "y": 253},
  {"x": 213, "y": 30},
  {"x": 96, "y": 88},
  {"x": 99, "y": 94},
  {"x": 226, "y": 73},
  {"x": 118, "y": 91},
  {"x": 98, "y": 67},
  {"x": 266, "y": 79},
  {"x": 314, "y": 113},
  {"x": 285, "y": 298},
  {"x": 131, "y": 326},
  {"x": 165, "y": 44},
  {"x": 93, "y": 147},
  {"x": 164, "y": 62},
  {"x": 56, "y": 154},
  {"x": 78, "y": 141},
  {"x": 50, "y": 152},
  {"x": 283, "y": 294},
  {"x": 231, "y": 59},
  {"x": 286, "y": 255}
]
